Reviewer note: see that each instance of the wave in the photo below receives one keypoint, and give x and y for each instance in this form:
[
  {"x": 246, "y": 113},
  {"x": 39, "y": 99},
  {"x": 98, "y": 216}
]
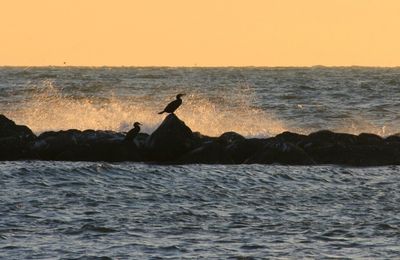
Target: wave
[{"x": 51, "y": 108}]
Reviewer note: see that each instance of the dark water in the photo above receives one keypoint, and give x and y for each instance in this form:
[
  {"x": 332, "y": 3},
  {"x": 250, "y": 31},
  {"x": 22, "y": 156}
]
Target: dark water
[
  {"x": 61, "y": 210},
  {"x": 76, "y": 210}
]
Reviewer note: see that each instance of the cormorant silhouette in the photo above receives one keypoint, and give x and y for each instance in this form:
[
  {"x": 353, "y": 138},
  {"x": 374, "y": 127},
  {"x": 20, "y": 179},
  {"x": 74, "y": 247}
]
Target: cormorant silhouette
[
  {"x": 133, "y": 132},
  {"x": 171, "y": 107}
]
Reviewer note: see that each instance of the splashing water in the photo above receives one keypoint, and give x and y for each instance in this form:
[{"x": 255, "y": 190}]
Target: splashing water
[{"x": 49, "y": 109}]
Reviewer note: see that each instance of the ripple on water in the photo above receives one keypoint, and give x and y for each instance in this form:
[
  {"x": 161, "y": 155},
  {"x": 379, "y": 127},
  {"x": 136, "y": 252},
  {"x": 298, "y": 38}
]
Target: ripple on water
[{"x": 236, "y": 211}]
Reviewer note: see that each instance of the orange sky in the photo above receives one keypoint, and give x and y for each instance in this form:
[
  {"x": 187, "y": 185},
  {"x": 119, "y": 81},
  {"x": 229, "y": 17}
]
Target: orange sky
[{"x": 200, "y": 32}]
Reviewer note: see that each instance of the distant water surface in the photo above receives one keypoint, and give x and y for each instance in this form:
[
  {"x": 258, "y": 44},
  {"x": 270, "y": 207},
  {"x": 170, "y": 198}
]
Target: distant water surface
[
  {"x": 251, "y": 101},
  {"x": 79, "y": 210}
]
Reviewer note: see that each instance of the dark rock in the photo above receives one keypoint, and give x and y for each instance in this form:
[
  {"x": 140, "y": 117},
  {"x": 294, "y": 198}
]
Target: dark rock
[
  {"x": 277, "y": 151},
  {"x": 369, "y": 139},
  {"x": 326, "y": 138},
  {"x": 170, "y": 140},
  {"x": 201, "y": 139},
  {"x": 229, "y": 137},
  {"x": 393, "y": 138},
  {"x": 209, "y": 153},
  {"x": 50, "y": 144},
  {"x": 89, "y": 145},
  {"x": 240, "y": 150},
  {"x": 141, "y": 139},
  {"x": 14, "y": 139},
  {"x": 358, "y": 155},
  {"x": 290, "y": 137}
]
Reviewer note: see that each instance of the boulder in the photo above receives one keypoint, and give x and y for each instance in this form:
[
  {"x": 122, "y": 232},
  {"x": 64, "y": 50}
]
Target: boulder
[
  {"x": 326, "y": 138},
  {"x": 229, "y": 137},
  {"x": 358, "y": 155},
  {"x": 393, "y": 138},
  {"x": 290, "y": 137},
  {"x": 170, "y": 140},
  {"x": 14, "y": 139},
  {"x": 280, "y": 152},
  {"x": 209, "y": 153},
  {"x": 240, "y": 150},
  {"x": 369, "y": 139},
  {"x": 89, "y": 145}
]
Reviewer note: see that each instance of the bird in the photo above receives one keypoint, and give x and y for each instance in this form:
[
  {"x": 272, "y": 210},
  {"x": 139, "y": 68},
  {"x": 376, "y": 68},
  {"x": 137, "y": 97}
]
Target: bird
[
  {"x": 133, "y": 132},
  {"x": 171, "y": 107}
]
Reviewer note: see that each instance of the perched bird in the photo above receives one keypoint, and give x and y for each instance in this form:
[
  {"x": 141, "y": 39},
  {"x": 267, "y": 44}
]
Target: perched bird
[
  {"x": 171, "y": 107},
  {"x": 133, "y": 132}
]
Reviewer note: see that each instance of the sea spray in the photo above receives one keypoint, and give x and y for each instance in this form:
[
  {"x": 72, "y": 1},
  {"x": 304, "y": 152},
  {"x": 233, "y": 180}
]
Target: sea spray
[{"x": 50, "y": 108}]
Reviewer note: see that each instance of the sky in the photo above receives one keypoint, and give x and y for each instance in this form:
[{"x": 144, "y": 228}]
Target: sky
[{"x": 200, "y": 32}]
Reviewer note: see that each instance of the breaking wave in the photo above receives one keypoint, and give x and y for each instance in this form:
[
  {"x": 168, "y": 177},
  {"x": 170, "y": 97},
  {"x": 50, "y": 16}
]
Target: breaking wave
[{"x": 49, "y": 108}]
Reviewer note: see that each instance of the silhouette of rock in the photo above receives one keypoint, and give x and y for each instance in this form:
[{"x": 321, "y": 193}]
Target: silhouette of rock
[
  {"x": 13, "y": 139},
  {"x": 89, "y": 145},
  {"x": 242, "y": 149},
  {"x": 393, "y": 138},
  {"x": 290, "y": 137},
  {"x": 277, "y": 151},
  {"x": 369, "y": 139},
  {"x": 229, "y": 137},
  {"x": 208, "y": 153},
  {"x": 170, "y": 140},
  {"x": 174, "y": 142}
]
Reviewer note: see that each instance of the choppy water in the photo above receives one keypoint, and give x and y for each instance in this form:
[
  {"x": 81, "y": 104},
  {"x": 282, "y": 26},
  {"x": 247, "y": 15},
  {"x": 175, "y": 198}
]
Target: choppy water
[{"x": 138, "y": 211}]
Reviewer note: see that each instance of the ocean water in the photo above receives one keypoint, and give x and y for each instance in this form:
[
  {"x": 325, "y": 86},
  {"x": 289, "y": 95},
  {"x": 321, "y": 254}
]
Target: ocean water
[{"x": 83, "y": 210}]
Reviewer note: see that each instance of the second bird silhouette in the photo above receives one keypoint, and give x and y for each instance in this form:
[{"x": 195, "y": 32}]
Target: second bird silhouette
[{"x": 171, "y": 107}]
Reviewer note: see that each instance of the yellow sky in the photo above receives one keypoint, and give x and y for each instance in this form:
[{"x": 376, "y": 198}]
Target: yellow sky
[{"x": 200, "y": 32}]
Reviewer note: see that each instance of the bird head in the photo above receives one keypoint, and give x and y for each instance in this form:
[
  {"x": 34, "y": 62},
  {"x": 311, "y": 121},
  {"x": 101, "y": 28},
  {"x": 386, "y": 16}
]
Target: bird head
[
  {"x": 179, "y": 96},
  {"x": 137, "y": 124}
]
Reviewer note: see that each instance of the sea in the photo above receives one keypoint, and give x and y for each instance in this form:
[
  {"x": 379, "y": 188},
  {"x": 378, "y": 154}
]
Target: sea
[{"x": 130, "y": 210}]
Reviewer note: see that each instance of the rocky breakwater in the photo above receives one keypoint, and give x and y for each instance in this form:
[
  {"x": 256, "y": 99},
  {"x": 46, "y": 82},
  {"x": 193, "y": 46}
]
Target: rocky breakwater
[{"x": 173, "y": 142}]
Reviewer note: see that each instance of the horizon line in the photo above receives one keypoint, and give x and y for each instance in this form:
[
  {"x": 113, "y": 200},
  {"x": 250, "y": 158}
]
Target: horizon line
[{"x": 195, "y": 66}]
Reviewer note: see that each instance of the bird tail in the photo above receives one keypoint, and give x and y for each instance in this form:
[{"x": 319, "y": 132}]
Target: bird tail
[{"x": 161, "y": 112}]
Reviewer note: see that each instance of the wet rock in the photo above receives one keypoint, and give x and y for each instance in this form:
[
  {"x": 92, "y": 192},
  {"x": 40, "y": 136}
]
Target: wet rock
[
  {"x": 326, "y": 138},
  {"x": 290, "y": 137},
  {"x": 50, "y": 144},
  {"x": 229, "y": 137},
  {"x": 170, "y": 140},
  {"x": 13, "y": 139},
  {"x": 369, "y": 139},
  {"x": 277, "y": 151},
  {"x": 242, "y": 149},
  {"x": 393, "y": 138},
  {"x": 89, "y": 145},
  {"x": 358, "y": 155},
  {"x": 209, "y": 153}
]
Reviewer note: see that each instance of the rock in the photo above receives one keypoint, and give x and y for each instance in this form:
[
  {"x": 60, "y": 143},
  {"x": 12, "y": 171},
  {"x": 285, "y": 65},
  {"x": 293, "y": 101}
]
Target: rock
[
  {"x": 326, "y": 138},
  {"x": 89, "y": 145},
  {"x": 170, "y": 140},
  {"x": 14, "y": 139},
  {"x": 209, "y": 153},
  {"x": 240, "y": 150},
  {"x": 290, "y": 137},
  {"x": 141, "y": 139},
  {"x": 229, "y": 137},
  {"x": 358, "y": 155},
  {"x": 369, "y": 139},
  {"x": 393, "y": 138},
  {"x": 201, "y": 139},
  {"x": 277, "y": 151}
]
